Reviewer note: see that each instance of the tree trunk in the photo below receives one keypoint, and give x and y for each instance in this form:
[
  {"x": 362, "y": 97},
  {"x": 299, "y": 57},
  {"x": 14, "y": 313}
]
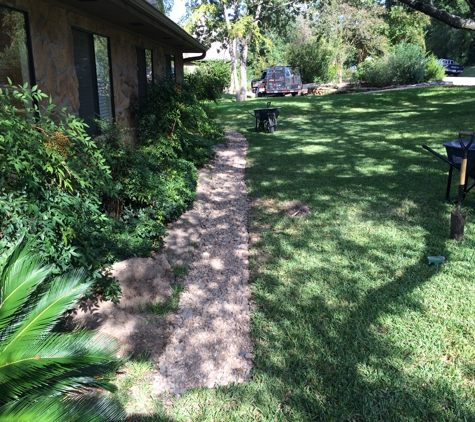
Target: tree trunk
[
  {"x": 244, "y": 50},
  {"x": 234, "y": 76}
]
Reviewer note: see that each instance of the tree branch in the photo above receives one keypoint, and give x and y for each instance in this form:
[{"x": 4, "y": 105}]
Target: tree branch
[
  {"x": 471, "y": 5},
  {"x": 270, "y": 10},
  {"x": 450, "y": 19}
]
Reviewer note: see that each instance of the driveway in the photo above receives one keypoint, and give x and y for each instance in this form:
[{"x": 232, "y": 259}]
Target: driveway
[{"x": 460, "y": 80}]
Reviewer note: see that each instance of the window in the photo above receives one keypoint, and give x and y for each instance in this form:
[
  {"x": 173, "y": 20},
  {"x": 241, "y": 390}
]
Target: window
[
  {"x": 15, "y": 57},
  {"x": 92, "y": 62},
  {"x": 170, "y": 66},
  {"x": 144, "y": 72}
]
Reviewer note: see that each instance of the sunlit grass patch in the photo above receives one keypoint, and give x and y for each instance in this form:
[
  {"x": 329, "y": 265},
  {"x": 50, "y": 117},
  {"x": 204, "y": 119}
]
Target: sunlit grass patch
[{"x": 349, "y": 321}]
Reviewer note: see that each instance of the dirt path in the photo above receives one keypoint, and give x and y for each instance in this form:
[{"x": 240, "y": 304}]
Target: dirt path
[
  {"x": 207, "y": 342},
  {"x": 210, "y": 342}
]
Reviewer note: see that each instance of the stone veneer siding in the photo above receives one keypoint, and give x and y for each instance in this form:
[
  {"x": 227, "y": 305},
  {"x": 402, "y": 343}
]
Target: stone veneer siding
[{"x": 53, "y": 55}]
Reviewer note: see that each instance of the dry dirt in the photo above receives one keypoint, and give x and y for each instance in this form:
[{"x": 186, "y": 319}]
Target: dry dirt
[{"x": 207, "y": 341}]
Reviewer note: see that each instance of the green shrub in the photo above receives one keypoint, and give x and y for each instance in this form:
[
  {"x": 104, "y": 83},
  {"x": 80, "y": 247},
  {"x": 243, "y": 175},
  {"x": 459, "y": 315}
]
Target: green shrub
[
  {"x": 87, "y": 203},
  {"x": 407, "y": 63},
  {"x": 176, "y": 125},
  {"x": 46, "y": 374},
  {"x": 209, "y": 79},
  {"x": 52, "y": 178},
  {"x": 314, "y": 58},
  {"x": 374, "y": 73},
  {"x": 434, "y": 71},
  {"x": 151, "y": 189}
]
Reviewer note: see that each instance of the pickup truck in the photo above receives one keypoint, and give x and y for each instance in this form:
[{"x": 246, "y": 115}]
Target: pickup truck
[
  {"x": 450, "y": 67},
  {"x": 277, "y": 81}
]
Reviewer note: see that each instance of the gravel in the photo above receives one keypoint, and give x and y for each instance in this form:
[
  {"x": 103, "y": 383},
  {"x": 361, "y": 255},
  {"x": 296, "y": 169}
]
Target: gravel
[{"x": 209, "y": 340}]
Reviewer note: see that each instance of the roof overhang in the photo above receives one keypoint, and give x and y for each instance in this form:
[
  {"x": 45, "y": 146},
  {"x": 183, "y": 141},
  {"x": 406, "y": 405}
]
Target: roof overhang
[{"x": 140, "y": 17}]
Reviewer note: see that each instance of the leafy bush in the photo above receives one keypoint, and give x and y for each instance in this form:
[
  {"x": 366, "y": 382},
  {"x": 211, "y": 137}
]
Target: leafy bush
[
  {"x": 45, "y": 374},
  {"x": 434, "y": 71},
  {"x": 87, "y": 203},
  {"x": 52, "y": 178},
  {"x": 209, "y": 79},
  {"x": 374, "y": 73},
  {"x": 150, "y": 191},
  {"x": 175, "y": 125},
  {"x": 161, "y": 198},
  {"x": 314, "y": 58},
  {"x": 407, "y": 63}
]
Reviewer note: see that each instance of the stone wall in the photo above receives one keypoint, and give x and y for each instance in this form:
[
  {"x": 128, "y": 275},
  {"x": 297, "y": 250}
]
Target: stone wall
[{"x": 53, "y": 56}]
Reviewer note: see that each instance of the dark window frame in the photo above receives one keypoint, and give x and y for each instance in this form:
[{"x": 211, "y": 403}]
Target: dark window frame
[
  {"x": 92, "y": 57},
  {"x": 29, "y": 45},
  {"x": 142, "y": 73},
  {"x": 171, "y": 71}
]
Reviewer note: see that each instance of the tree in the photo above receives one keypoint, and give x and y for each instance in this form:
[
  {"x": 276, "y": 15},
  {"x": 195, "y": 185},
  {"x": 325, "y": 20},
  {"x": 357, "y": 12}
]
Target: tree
[
  {"x": 447, "y": 36},
  {"x": 211, "y": 22},
  {"x": 449, "y": 42},
  {"x": 406, "y": 25},
  {"x": 312, "y": 54},
  {"x": 46, "y": 374},
  {"x": 354, "y": 31},
  {"x": 165, "y": 6},
  {"x": 271, "y": 50},
  {"x": 14, "y": 54},
  {"x": 334, "y": 34},
  {"x": 237, "y": 23},
  {"x": 462, "y": 17}
]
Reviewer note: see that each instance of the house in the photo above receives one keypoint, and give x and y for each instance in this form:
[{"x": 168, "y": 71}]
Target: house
[
  {"x": 216, "y": 51},
  {"x": 93, "y": 57}
]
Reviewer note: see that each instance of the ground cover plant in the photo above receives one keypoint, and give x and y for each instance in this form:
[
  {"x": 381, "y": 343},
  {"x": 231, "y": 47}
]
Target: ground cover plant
[
  {"x": 91, "y": 201},
  {"x": 349, "y": 320},
  {"x": 155, "y": 182}
]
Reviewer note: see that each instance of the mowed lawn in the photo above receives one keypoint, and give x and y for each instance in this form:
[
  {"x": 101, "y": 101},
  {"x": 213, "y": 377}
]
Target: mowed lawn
[{"x": 350, "y": 323}]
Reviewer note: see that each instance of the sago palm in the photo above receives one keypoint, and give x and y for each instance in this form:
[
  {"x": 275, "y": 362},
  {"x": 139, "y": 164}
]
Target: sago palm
[{"x": 47, "y": 375}]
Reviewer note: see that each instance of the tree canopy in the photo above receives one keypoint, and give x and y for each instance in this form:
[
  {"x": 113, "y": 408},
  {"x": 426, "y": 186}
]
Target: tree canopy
[
  {"x": 455, "y": 14},
  {"x": 237, "y": 24}
]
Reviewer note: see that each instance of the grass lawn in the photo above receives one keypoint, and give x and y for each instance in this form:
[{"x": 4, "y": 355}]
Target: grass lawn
[{"x": 350, "y": 323}]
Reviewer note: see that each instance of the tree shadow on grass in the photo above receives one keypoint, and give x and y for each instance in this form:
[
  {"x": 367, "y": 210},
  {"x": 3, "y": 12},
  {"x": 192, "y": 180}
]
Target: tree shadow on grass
[
  {"x": 323, "y": 329},
  {"x": 335, "y": 336},
  {"x": 332, "y": 352}
]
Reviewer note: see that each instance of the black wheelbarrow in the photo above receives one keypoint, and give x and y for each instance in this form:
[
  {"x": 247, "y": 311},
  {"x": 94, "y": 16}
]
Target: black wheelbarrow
[
  {"x": 266, "y": 118},
  {"x": 455, "y": 153}
]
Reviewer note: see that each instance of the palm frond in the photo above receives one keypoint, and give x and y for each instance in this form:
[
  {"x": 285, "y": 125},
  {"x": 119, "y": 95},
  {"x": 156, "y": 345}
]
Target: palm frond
[
  {"x": 46, "y": 375},
  {"x": 59, "y": 409},
  {"x": 63, "y": 293},
  {"x": 37, "y": 362},
  {"x": 18, "y": 279}
]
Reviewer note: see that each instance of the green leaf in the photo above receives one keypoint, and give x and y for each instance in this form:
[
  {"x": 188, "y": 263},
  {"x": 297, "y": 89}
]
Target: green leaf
[
  {"x": 57, "y": 409},
  {"x": 62, "y": 294},
  {"x": 18, "y": 280},
  {"x": 44, "y": 374}
]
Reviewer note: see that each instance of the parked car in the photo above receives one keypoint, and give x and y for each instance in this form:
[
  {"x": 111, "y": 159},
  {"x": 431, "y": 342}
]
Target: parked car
[{"x": 451, "y": 68}]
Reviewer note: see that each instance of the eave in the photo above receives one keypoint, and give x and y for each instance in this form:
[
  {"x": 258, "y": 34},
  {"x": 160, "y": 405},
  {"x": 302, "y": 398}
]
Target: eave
[{"x": 140, "y": 17}]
